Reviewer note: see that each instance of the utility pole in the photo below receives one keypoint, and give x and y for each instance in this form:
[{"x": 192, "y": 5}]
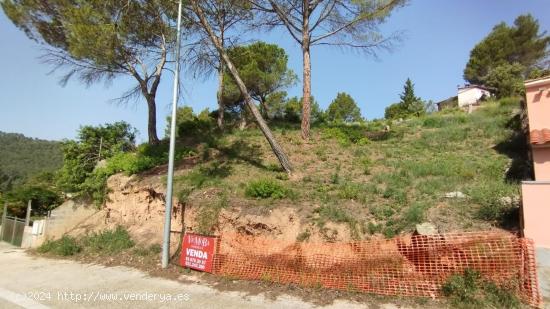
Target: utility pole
[{"x": 169, "y": 182}]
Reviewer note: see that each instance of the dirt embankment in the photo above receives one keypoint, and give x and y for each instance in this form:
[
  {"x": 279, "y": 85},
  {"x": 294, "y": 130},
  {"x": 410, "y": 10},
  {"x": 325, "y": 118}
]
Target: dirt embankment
[{"x": 137, "y": 203}]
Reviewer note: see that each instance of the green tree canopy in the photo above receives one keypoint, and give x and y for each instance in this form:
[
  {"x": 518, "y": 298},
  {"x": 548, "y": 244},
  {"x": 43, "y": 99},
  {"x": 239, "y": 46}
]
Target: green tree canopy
[
  {"x": 522, "y": 44},
  {"x": 93, "y": 144},
  {"x": 22, "y": 157},
  {"x": 506, "y": 80},
  {"x": 190, "y": 125},
  {"x": 98, "y": 40},
  {"x": 344, "y": 109},
  {"x": 42, "y": 198},
  {"x": 263, "y": 68},
  {"x": 292, "y": 110}
]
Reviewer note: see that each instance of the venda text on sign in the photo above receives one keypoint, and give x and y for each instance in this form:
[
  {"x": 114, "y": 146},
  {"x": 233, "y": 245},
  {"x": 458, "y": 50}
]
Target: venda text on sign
[{"x": 198, "y": 252}]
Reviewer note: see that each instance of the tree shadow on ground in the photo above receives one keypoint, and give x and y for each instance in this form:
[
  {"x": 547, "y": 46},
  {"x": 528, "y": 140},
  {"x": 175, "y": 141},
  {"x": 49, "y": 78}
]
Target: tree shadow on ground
[
  {"x": 243, "y": 151},
  {"x": 516, "y": 147},
  {"x": 510, "y": 219}
]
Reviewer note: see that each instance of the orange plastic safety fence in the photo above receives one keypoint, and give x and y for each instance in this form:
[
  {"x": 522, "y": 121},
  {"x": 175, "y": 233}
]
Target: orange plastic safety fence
[{"x": 408, "y": 266}]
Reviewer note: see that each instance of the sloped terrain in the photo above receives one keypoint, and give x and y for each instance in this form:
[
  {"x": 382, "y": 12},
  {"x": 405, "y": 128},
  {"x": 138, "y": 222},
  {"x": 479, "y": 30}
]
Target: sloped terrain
[{"x": 455, "y": 170}]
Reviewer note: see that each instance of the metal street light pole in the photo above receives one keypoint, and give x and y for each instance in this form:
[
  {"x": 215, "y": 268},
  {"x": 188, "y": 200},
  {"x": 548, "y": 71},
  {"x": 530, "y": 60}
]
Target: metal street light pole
[{"x": 169, "y": 183}]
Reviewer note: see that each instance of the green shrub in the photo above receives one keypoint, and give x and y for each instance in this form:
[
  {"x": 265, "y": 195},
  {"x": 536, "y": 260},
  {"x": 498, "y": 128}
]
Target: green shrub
[
  {"x": 488, "y": 196},
  {"x": 440, "y": 121},
  {"x": 131, "y": 163},
  {"x": 154, "y": 155},
  {"x": 266, "y": 188},
  {"x": 95, "y": 186},
  {"x": 144, "y": 158},
  {"x": 337, "y": 134},
  {"x": 373, "y": 228},
  {"x": 108, "y": 241},
  {"x": 470, "y": 290},
  {"x": 350, "y": 190},
  {"x": 366, "y": 165},
  {"x": 414, "y": 215},
  {"x": 363, "y": 141},
  {"x": 396, "y": 193},
  {"x": 303, "y": 236},
  {"x": 513, "y": 101},
  {"x": 65, "y": 246},
  {"x": 207, "y": 174},
  {"x": 346, "y": 134}
]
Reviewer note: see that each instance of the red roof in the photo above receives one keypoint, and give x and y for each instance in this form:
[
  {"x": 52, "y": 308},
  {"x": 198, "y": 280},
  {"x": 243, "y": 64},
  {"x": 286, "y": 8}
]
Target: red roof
[{"x": 540, "y": 137}]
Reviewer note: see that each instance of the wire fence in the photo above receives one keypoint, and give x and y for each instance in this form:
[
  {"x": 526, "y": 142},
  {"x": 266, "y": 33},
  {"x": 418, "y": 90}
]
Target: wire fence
[{"x": 408, "y": 266}]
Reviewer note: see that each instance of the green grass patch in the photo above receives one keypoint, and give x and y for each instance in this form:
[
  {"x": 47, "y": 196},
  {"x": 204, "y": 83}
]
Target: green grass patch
[
  {"x": 108, "y": 241},
  {"x": 65, "y": 246},
  {"x": 470, "y": 290}
]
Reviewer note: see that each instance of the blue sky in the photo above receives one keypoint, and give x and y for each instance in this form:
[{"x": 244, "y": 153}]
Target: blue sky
[{"x": 439, "y": 35}]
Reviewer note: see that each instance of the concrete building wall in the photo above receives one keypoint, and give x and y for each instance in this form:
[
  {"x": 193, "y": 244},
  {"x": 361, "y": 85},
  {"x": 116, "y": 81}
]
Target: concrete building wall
[
  {"x": 541, "y": 162},
  {"x": 538, "y": 104},
  {"x": 66, "y": 217},
  {"x": 468, "y": 96},
  {"x": 536, "y": 211},
  {"x": 536, "y": 194}
]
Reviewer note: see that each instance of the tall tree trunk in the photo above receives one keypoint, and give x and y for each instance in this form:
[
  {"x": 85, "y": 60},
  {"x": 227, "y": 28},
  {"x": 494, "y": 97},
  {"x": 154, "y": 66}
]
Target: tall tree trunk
[
  {"x": 220, "y": 96},
  {"x": 306, "y": 95},
  {"x": 152, "y": 120},
  {"x": 264, "y": 108},
  {"x": 277, "y": 149}
]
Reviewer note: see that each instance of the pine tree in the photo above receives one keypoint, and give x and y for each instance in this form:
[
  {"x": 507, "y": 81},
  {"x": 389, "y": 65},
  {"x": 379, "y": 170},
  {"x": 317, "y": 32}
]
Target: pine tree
[
  {"x": 410, "y": 104},
  {"x": 521, "y": 44},
  {"x": 408, "y": 98}
]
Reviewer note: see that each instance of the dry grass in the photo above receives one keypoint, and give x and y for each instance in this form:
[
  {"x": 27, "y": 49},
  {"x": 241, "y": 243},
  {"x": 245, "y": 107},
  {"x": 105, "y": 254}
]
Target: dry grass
[{"x": 384, "y": 186}]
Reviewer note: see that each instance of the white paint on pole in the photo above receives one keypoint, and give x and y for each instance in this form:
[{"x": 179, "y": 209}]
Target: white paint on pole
[{"x": 169, "y": 182}]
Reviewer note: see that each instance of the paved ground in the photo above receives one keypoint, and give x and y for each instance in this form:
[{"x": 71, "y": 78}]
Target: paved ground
[
  {"x": 38, "y": 283},
  {"x": 31, "y": 282},
  {"x": 543, "y": 270}
]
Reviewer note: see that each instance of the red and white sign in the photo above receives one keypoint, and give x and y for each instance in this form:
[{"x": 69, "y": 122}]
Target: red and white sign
[{"x": 198, "y": 252}]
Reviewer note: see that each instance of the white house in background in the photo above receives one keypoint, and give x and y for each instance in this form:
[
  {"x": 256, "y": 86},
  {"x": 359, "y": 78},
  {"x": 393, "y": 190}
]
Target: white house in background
[{"x": 471, "y": 95}]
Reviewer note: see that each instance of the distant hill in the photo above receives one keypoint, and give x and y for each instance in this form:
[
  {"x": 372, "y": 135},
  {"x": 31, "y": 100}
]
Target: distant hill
[{"x": 22, "y": 157}]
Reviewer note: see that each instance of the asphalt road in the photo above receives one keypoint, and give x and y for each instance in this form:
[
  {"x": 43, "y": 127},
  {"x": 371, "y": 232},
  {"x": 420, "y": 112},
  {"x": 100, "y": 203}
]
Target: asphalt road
[{"x": 32, "y": 282}]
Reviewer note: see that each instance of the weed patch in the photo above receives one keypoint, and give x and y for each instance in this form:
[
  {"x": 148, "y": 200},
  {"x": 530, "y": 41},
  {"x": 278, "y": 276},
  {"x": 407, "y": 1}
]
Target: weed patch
[
  {"x": 470, "y": 290},
  {"x": 209, "y": 213},
  {"x": 65, "y": 246},
  {"x": 108, "y": 241}
]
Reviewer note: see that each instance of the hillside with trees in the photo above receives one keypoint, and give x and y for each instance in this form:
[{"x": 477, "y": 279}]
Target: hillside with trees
[
  {"x": 456, "y": 170},
  {"x": 22, "y": 157},
  {"x": 266, "y": 164}
]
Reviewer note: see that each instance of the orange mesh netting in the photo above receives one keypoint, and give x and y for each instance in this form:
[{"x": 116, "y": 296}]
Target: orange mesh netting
[{"x": 409, "y": 266}]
